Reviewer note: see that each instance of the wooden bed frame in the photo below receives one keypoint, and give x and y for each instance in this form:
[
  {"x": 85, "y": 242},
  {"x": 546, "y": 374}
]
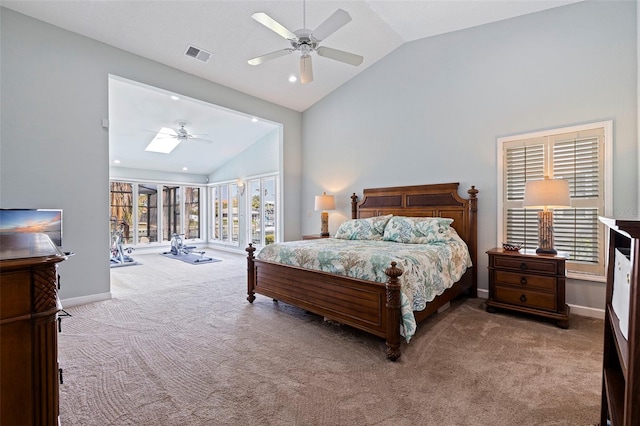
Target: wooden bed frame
[{"x": 371, "y": 306}]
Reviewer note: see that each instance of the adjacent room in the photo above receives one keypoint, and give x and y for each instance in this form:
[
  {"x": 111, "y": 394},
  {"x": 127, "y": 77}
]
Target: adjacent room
[{"x": 319, "y": 212}]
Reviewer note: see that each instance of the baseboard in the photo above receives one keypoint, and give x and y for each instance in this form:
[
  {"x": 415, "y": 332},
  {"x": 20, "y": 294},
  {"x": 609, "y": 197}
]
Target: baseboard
[
  {"x": 583, "y": 311},
  {"x": 83, "y": 300}
]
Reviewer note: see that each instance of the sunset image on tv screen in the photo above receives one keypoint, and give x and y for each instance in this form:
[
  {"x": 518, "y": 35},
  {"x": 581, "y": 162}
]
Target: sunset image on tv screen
[{"x": 18, "y": 221}]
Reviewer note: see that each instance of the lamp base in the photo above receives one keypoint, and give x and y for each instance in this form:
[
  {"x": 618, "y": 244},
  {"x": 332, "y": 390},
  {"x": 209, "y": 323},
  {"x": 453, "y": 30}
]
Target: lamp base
[
  {"x": 324, "y": 224},
  {"x": 541, "y": 250},
  {"x": 545, "y": 233}
]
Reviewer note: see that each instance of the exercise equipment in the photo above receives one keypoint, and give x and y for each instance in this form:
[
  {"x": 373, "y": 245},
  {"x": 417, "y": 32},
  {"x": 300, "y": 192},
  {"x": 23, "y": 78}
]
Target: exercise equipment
[
  {"x": 117, "y": 254},
  {"x": 179, "y": 248}
]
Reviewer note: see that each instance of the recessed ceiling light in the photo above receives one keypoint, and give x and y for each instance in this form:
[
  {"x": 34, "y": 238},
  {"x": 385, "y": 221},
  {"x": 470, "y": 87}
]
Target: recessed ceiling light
[
  {"x": 185, "y": 168},
  {"x": 254, "y": 120},
  {"x": 175, "y": 98},
  {"x": 116, "y": 161},
  {"x": 161, "y": 143},
  {"x": 293, "y": 79}
]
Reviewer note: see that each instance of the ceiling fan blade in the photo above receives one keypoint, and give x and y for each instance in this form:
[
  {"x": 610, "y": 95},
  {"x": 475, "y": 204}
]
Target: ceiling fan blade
[
  {"x": 306, "y": 70},
  {"x": 273, "y": 25},
  {"x": 269, "y": 56},
  {"x": 332, "y": 24},
  {"x": 201, "y": 140},
  {"x": 339, "y": 55}
]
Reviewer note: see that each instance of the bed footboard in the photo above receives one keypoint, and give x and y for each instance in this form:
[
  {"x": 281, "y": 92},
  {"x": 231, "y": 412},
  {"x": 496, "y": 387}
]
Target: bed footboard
[{"x": 368, "y": 306}]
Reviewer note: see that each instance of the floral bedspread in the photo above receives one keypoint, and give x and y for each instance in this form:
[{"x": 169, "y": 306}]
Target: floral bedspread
[{"x": 428, "y": 269}]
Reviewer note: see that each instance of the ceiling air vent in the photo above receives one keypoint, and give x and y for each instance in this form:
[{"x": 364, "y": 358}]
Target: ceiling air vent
[{"x": 199, "y": 54}]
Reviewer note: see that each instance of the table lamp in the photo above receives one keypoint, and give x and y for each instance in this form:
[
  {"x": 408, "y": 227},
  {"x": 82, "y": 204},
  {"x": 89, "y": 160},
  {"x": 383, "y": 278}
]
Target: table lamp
[
  {"x": 325, "y": 202},
  {"x": 546, "y": 194}
]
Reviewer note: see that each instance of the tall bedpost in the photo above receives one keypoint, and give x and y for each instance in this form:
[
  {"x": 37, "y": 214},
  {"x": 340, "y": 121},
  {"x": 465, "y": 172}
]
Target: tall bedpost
[
  {"x": 251, "y": 274},
  {"x": 354, "y": 206},
  {"x": 393, "y": 311},
  {"x": 473, "y": 243}
]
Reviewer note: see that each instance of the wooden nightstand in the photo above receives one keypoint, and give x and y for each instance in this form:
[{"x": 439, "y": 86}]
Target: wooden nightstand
[
  {"x": 314, "y": 237},
  {"x": 528, "y": 283}
]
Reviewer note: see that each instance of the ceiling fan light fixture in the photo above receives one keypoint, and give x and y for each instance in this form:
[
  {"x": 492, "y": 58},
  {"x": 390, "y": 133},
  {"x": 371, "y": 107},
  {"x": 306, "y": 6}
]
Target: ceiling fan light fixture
[{"x": 306, "y": 70}]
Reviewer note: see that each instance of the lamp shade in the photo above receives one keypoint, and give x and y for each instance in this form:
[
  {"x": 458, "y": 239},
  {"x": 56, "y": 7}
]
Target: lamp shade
[
  {"x": 325, "y": 202},
  {"x": 547, "y": 193}
]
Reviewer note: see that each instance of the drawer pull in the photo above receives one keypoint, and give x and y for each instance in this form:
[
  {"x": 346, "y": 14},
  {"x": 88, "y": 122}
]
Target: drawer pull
[
  {"x": 523, "y": 280},
  {"x": 523, "y": 298},
  {"x": 523, "y": 266}
]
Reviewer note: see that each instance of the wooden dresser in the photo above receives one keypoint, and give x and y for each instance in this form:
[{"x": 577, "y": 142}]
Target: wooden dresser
[
  {"x": 528, "y": 283},
  {"x": 28, "y": 332}
]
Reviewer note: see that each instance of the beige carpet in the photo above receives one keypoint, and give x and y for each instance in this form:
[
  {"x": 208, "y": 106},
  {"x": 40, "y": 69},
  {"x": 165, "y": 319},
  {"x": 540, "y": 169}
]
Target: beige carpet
[{"x": 180, "y": 345}]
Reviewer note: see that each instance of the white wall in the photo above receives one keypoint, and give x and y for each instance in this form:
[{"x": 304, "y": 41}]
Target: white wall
[
  {"x": 155, "y": 175},
  {"x": 431, "y": 111},
  {"x": 54, "y": 152},
  {"x": 260, "y": 158}
]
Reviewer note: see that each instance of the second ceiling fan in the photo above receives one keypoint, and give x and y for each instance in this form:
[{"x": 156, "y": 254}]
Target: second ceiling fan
[{"x": 306, "y": 41}]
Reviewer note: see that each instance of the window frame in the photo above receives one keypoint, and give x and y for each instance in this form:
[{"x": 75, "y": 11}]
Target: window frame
[
  {"x": 607, "y": 184},
  {"x": 161, "y": 239},
  {"x": 223, "y": 196},
  {"x": 262, "y": 183}
]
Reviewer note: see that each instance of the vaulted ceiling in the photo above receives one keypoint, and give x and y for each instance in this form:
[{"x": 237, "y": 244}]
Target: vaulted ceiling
[{"x": 164, "y": 30}]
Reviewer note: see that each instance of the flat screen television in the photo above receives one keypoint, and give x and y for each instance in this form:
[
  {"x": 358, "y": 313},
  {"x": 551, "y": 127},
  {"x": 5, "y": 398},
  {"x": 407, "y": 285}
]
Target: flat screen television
[{"x": 43, "y": 221}]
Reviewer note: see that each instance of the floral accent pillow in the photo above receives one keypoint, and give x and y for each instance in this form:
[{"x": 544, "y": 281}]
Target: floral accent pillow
[
  {"x": 363, "y": 229},
  {"x": 418, "y": 230}
]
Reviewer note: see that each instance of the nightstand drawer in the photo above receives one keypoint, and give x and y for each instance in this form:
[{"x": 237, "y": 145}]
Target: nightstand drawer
[
  {"x": 527, "y": 265},
  {"x": 520, "y": 297},
  {"x": 536, "y": 281}
]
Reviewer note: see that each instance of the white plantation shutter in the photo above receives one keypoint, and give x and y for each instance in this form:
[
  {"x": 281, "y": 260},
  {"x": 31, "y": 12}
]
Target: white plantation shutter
[
  {"x": 524, "y": 162},
  {"x": 576, "y": 156}
]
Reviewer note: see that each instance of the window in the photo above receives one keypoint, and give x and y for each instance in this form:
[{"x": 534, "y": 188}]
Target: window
[
  {"x": 122, "y": 209},
  {"x": 176, "y": 211},
  {"x": 192, "y": 210},
  {"x": 577, "y": 154},
  {"x": 147, "y": 213},
  {"x": 262, "y": 205},
  {"x": 226, "y": 217},
  {"x": 171, "y": 212}
]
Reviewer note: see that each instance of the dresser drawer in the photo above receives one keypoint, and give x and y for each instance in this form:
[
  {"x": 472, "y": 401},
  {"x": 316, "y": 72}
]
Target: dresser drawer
[
  {"x": 526, "y": 281},
  {"x": 522, "y": 297},
  {"x": 527, "y": 265}
]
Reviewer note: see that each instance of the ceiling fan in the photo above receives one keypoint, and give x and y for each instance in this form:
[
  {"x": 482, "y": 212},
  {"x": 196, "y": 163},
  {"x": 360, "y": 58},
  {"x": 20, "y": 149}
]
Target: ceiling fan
[
  {"x": 306, "y": 41},
  {"x": 182, "y": 134}
]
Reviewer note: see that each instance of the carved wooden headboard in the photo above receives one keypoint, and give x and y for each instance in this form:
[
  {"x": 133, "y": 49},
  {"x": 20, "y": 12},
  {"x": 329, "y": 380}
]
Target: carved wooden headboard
[{"x": 437, "y": 200}]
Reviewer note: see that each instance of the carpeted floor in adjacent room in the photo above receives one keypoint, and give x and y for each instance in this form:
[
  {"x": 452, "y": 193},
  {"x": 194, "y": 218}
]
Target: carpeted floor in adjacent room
[{"x": 179, "y": 345}]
